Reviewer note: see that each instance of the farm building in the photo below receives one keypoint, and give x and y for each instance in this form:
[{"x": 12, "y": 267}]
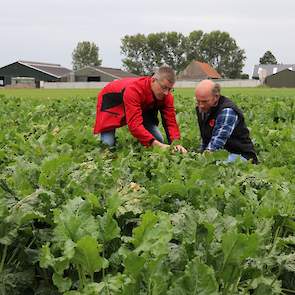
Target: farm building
[
  {"x": 197, "y": 70},
  {"x": 270, "y": 69},
  {"x": 96, "y": 74},
  {"x": 39, "y": 71},
  {"x": 285, "y": 78}
]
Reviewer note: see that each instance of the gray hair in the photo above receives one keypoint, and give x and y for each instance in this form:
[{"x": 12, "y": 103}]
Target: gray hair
[
  {"x": 165, "y": 72},
  {"x": 216, "y": 89}
]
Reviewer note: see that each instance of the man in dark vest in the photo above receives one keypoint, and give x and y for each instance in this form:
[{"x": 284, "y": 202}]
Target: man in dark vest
[
  {"x": 136, "y": 102},
  {"x": 222, "y": 124}
]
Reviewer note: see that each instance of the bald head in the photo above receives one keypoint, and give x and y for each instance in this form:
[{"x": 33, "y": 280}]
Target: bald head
[
  {"x": 207, "y": 87},
  {"x": 207, "y": 95}
]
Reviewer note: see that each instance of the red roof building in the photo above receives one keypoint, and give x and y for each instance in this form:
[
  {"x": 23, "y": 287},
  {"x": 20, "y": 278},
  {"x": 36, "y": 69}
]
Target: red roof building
[{"x": 197, "y": 70}]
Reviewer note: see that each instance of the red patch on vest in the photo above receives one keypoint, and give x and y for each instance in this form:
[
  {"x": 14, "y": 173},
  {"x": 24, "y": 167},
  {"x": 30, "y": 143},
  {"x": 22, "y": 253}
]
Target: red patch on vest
[{"x": 212, "y": 123}]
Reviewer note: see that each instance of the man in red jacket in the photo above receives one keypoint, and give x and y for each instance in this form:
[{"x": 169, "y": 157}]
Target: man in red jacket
[{"x": 136, "y": 102}]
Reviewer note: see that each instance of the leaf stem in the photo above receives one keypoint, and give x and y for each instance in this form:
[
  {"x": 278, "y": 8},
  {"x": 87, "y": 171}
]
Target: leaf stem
[
  {"x": 3, "y": 292},
  {"x": 288, "y": 290},
  {"x": 3, "y": 258}
]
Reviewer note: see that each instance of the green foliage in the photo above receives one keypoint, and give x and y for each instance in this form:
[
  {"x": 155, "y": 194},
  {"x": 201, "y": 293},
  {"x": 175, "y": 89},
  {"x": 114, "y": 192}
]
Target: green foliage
[
  {"x": 198, "y": 278},
  {"x": 85, "y": 54},
  {"x": 153, "y": 234},
  {"x": 86, "y": 255},
  {"x": 77, "y": 218},
  {"x": 194, "y": 41},
  {"x": 268, "y": 58},
  {"x": 143, "y": 53},
  {"x": 135, "y": 49},
  {"x": 221, "y": 51},
  {"x": 244, "y": 76}
]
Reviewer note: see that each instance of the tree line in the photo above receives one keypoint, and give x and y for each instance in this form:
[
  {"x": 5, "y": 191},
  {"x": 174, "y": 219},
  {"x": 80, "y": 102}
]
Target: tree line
[{"x": 142, "y": 53}]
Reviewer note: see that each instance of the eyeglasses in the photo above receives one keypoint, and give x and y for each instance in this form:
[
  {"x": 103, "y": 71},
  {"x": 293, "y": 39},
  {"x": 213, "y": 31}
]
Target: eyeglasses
[{"x": 165, "y": 88}]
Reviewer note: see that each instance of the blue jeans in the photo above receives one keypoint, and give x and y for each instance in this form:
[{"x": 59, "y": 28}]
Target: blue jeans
[
  {"x": 233, "y": 157},
  {"x": 109, "y": 138}
]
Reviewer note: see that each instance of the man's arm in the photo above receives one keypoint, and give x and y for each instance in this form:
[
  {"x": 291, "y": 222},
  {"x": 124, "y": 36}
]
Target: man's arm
[
  {"x": 170, "y": 124},
  {"x": 225, "y": 124},
  {"x": 169, "y": 118}
]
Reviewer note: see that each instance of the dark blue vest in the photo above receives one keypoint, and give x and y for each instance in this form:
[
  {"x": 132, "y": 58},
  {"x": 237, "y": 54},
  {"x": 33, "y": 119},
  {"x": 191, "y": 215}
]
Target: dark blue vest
[{"x": 239, "y": 141}]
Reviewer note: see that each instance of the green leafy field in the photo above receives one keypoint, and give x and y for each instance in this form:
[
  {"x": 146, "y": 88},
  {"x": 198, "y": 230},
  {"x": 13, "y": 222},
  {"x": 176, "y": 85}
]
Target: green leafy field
[
  {"x": 77, "y": 218},
  {"x": 72, "y": 93}
]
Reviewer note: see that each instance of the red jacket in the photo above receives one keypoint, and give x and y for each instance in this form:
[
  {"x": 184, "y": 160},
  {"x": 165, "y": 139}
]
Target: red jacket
[{"x": 123, "y": 101}]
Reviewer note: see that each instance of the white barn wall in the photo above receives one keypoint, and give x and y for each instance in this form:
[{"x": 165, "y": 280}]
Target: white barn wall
[
  {"x": 70, "y": 85},
  {"x": 223, "y": 83},
  {"x": 178, "y": 84}
]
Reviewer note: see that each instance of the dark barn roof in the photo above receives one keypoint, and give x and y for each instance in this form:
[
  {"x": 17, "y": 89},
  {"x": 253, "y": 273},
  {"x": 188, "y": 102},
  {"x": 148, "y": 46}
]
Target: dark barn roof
[
  {"x": 55, "y": 70},
  {"x": 40, "y": 71},
  {"x": 114, "y": 72}
]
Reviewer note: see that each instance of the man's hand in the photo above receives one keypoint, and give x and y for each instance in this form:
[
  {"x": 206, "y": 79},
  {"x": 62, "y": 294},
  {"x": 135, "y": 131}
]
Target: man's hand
[
  {"x": 160, "y": 144},
  {"x": 179, "y": 148}
]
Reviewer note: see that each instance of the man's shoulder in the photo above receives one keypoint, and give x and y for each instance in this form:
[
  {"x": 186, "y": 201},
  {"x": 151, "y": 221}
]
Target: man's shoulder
[
  {"x": 119, "y": 84},
  {"x": 139, "y": 89},
  {"x": 138, "y": 85},
  {"x": 139, "y": 82},
  {"x": 228, "y": 103}
]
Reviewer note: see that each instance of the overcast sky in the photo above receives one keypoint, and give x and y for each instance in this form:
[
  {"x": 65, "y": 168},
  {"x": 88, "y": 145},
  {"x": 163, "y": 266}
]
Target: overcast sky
[{"x": 48, "y": 31}]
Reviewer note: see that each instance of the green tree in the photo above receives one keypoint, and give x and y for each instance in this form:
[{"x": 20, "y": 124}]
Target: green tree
[
  {"x": 155, "y": 51},
  {"x": 221, "y": 51},
  {"x": 193, "y": 51},
  {"x": 268, "y": 58},
  {"x": 244, "y": 76},
  {"x": 144, "y": 53},
  {"x": 85, "y": 54},
  {"x": 233, "y": 65},
  {"x": 135, "y": 49},
  {"x": 175, "y": 50}
]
